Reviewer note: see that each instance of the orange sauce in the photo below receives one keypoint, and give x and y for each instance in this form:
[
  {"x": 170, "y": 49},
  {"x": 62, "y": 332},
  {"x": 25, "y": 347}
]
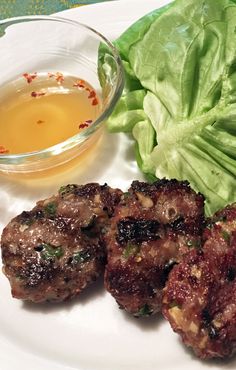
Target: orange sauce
[{"x": 38, "y": 111}]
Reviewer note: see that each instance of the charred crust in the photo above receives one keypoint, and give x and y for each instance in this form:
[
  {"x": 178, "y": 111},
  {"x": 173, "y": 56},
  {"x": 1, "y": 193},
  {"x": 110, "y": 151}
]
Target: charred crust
[
  {"x": 166, "y": 270},
  {"x": 63, "y": 224},
  {"x": 137, "y": 230},
  {"x": 36, "y": 272},
  {"x": 187, "y": 226},
  {"x": 38, "y": 214},
  {"x": 28, "y": 217},
  {"x": 206, "y": 317},
  {"x": 125, "y": 281},
  {"x": 141, "y": 187},
  {"x": 110, "y": 199},
  {"x": 87, "y": 190},
  {"x": 212, "y": 332},
  {"x": 178, "y": 225},
  {"x": 25, "y": 217},
  {"x": 163, "y": 185},
  {"x": 231, "y": 273}
]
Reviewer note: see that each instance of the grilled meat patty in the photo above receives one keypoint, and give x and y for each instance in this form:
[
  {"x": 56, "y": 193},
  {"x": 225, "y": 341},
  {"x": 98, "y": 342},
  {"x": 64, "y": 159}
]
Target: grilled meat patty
[
  {"x": 54, "y": 251},
  {"x": 200, "y": 296},
  {"x": 153, "y": 226}
]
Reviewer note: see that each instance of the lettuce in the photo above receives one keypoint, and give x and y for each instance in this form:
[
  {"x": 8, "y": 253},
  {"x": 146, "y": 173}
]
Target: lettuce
[{"x": 179, "y": 99}]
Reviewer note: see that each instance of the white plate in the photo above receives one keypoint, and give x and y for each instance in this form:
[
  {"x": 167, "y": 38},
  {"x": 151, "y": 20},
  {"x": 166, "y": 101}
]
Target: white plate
[{"x": 90, "y": 332}]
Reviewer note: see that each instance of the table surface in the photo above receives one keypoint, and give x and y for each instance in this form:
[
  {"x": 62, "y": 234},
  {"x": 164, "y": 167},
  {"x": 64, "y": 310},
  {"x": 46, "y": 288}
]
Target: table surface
[{"x": 15, "y": 8}]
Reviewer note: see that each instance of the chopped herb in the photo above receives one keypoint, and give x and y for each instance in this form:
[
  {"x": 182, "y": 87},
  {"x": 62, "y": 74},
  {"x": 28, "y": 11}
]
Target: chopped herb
[
  {"x": 81, "y": 256},
  {"x": 49, "y": 251},
  {"x": 51, "y": 209},
  {"x": 225, "y": 235},
  {"x": 130, "y": 250},
  {"x": 67, "y": 189},
  {"x": 126, "y": 195},
  {"x": 145, "y": 310}
]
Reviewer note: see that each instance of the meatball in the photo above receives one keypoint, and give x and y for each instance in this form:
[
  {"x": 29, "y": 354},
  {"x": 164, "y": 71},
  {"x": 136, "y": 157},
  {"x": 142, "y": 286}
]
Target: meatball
[
  {"x": 54, "y": 251},
  {"x": 200, "y": 296},
  {"x": 153, "y": 226}
]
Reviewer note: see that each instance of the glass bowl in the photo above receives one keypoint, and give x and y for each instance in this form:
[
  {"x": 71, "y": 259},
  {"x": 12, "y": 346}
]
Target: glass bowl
[{"x": 39, "y": 46}]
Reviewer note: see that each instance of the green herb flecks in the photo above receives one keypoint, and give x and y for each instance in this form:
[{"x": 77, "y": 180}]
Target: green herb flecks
[
  {"x": 81, "y": 256},
  {"x": 49, "y": 251},
  {"x": 51, "y": 209},
  {"x": 145, "y": 310},
  {"x": 126, "y": 195},
  {"x": 130, "y": 250},
  {"x": 67, "y": 189},
  {"x": 225, "y": 235}
]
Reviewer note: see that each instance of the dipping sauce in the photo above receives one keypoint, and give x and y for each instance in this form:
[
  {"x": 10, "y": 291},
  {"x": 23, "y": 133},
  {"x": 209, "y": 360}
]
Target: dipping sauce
[{"x": 38, "y": 111}]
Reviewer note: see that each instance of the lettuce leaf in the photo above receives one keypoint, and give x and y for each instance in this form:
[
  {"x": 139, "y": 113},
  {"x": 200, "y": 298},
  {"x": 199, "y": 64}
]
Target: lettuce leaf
[{"x": 179, "y": 99}]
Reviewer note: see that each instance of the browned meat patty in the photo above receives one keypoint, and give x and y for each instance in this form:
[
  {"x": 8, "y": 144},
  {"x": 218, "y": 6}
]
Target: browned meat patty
[
  {"x": 200, "y": 297},
  {"x": 152, "y": 228},
  {"x": 54, "y": 251}
]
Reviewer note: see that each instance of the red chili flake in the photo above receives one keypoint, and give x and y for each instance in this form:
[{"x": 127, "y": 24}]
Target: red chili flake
[
  {"x": 3, "y": 150},
  {"x": 83, "y": 125},
  {"x": 92, "y": 94},
  {"x": 95, "y": 101},
  {"x": 40, "y": 121},
  {"x": 36, "y": 94},
  {"x": 79, "y": 83},
  {"x": 30, "y": 76},
  {"x": 59, "y": 77}
]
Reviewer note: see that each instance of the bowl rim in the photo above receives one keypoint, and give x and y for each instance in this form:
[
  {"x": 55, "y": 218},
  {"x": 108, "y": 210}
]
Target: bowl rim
[{"x": 82, "y": 136}]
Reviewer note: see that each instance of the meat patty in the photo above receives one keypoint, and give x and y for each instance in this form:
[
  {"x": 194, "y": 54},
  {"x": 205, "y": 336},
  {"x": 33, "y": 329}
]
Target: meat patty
[
  {"x": 200, "y": 296},
  {"x": 153, "y": 226},
  {"x": 54, "y": 251}
]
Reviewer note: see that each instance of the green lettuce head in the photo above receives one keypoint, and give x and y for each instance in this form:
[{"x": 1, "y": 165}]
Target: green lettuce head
[{"x": 179, "y": 99}]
